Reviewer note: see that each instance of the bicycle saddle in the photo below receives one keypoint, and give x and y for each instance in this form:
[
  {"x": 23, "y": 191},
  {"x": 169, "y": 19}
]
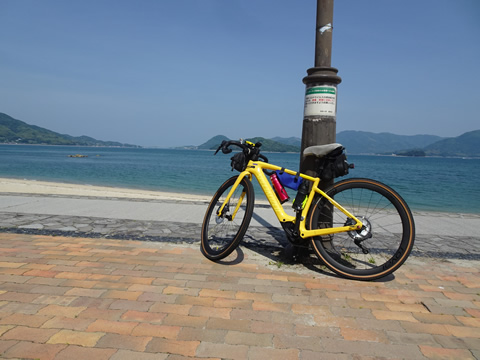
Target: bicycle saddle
[{"x": 320, "y": 150}]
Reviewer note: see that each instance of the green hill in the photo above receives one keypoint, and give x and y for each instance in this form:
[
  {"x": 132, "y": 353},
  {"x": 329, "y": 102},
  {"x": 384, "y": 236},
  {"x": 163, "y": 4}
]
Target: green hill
[
  {"x": 467, "y": 144},
  {"x": 14, "y": 131},
  {"x": 213, "y": 143},
  {"x": 362, "y": 142},
  {"x": 267, "y": 144}
]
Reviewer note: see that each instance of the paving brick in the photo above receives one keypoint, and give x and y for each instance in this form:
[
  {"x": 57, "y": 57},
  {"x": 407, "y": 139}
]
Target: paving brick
[
  {"x": 147, "y": 288},
  {"x": 18, "y": 296},
  {"x": 108, "y": 326},
  {"x": 142, "y": 316},
  {"x": 151, "y": 330},
  {"x": 469, "y": 321},
  {"x": 310, "y": 309},
  {"x": 413, "y": 308},
  {"x": 233, "y": 303},
  {"x": 207, "y": 335},
  {"x": 195, "y": 300},
  {"x": 57, "y": 310},
  {"x": 7, "y": 344},
  {"x": 464, "y": 331},
  {"x": 59, "y": 322},
  {"x": 80, "y": 352},
  {"x": 260, "y": 353},
  {"x": 429, "y": 318},
  {"x": 135, "y": 355},
  {"x": 317, "y": 331},
  {"x": 72, "y": 337},
  {"x": 207, "y": 311},
  {"x": 247, "y": 338},
  {"x": 445, "y": 354},
  {"x": 29, "y": 334},
  {"x": 186, "y": 348},
  {"x": 126, "y": 342},
  {"x": 224, "y": 351},
  {"x": 85, "y": 292},
  {"x": 297, "y": 342},
  {"x": 225, "y": 324},
  {"x": 314, "y": 355},
  {"x": 351, "y": 334},
  {"x": 130, "y": 305},
  {"x": 434, "y": 329},
  {"x": 181, "y": 290},
  {"x": 409, "y": 338},
  {"x": 171, "y": 308},
  {"x": 394, "y": 315},
  {"x": 25, "y": 319},
  {"x": 217, "y": 293},
  {"x": 270, "y": 306},
  {"x": 185, "y": 320},
  {"x": 98, "y": 313},
  {"x": 29, "y": 350}
]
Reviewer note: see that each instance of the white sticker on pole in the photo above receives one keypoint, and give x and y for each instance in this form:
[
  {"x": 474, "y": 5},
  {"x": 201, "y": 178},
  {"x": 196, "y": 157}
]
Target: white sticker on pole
[{"x": 321, "y": 100}]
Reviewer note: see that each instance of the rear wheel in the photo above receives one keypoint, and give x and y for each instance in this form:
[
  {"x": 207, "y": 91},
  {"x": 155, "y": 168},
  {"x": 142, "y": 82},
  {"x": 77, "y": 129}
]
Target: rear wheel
[
  {"x": 380, "y": 247},
  {"x": 223, "y": 232}
]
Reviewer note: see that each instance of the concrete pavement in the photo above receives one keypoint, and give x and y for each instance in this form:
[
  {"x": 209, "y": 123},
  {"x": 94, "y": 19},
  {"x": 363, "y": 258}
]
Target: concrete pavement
[{"x": 438, "y": 234}]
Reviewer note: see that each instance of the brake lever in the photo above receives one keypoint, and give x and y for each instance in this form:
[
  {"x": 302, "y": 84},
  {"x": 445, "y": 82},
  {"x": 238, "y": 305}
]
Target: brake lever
[{"x": 220, "y": 147}]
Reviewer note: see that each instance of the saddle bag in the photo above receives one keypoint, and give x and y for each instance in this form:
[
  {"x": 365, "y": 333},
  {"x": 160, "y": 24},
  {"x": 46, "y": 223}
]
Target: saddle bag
[{"x": 333, "y": 165}]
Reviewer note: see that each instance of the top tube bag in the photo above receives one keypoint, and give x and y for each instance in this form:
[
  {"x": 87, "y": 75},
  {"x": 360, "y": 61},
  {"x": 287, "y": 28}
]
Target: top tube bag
[{"x": 289, "y": 181}]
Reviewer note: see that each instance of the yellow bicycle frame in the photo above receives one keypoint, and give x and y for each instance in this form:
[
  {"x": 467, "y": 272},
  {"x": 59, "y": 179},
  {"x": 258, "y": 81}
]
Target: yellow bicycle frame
[{"x": 256, "y": 168}]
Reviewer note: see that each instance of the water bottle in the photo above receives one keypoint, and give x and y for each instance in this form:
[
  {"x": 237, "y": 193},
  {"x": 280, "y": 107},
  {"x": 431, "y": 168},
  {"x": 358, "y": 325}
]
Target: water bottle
[{"x": 279, "y": 189}]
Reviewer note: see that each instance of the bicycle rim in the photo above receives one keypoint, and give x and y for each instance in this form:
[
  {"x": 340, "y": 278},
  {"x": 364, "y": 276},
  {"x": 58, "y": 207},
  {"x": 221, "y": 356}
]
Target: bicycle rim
[
  {"x": 223, "y": 232},
  {"x": 380, "y": 247}
]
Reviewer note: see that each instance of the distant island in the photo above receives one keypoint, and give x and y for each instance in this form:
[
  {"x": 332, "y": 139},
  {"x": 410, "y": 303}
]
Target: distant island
[{"x": 13, "y": 131}]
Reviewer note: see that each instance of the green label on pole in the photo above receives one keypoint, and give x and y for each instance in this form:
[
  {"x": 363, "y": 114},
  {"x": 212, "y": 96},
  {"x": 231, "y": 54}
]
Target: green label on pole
[
  {"x": 321, "y": 90},
  {"x": 321, "y": 101}
]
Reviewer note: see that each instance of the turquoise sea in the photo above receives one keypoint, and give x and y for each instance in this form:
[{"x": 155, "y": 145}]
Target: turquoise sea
[{"x": 432, "y": 184}]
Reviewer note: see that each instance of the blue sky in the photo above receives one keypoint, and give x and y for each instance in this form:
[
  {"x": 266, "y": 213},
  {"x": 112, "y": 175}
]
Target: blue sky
[{"x": 177, "y": 72}]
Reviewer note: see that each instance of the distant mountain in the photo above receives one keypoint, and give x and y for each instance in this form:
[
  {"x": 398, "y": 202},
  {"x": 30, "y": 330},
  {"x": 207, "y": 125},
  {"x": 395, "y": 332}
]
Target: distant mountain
[
  {"x": 362, "y": 142},
  {"x": 274, "y": 146},
  {"x": 467, "y": 144},
  {"x": 267, "y": 144},
  {"x": 14, "y": 131},
  {"x": 213, "y": 143},
  {"x": 295, "y": 141}
]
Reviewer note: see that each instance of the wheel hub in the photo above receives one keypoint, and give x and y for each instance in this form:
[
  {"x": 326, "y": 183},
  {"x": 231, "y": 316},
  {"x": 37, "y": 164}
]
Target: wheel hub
[{"x": 364, "y": 233}]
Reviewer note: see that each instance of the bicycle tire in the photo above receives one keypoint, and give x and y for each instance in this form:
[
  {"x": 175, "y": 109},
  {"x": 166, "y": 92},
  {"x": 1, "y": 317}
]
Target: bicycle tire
[
  {"x": 388, "y": 233},
  {"x": 221, "y": 235}
]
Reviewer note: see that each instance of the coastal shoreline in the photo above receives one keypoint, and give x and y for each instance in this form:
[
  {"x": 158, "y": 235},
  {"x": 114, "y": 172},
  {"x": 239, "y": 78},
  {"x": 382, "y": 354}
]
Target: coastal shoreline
[{"x": 18, "y": 186}]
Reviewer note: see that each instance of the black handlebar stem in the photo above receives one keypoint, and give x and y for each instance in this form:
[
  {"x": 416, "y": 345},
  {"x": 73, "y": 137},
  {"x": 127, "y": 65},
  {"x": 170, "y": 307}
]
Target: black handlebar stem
[{"x": 252, "y": 151}]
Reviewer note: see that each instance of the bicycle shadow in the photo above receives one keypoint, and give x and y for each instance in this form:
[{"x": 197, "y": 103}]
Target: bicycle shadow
[{"x": 283, "y": 252}]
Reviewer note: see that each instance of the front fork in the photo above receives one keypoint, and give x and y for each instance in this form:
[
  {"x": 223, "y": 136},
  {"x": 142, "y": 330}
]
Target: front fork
[{"x": 221, "y": 212}]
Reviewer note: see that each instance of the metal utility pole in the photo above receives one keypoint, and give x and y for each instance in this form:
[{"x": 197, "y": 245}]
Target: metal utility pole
[{"x": 320, "y": 113}]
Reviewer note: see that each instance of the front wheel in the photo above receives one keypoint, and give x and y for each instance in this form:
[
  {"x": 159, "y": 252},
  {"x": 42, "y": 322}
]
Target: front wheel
[
  {"x": 383, "y": 243},
  {"x": 223, "y": 229}
]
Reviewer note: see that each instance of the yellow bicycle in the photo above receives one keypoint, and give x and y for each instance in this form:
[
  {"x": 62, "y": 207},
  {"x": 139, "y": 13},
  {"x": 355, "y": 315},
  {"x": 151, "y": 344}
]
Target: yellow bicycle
[{"x": 359, "y": 228}]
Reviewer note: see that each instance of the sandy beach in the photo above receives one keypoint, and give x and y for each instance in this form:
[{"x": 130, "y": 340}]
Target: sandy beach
[{"x": 16, "y": 186}]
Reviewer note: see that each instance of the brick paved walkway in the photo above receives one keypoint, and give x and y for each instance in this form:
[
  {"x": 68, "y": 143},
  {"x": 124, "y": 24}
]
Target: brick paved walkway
[{"x": 78, "y": 298}]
